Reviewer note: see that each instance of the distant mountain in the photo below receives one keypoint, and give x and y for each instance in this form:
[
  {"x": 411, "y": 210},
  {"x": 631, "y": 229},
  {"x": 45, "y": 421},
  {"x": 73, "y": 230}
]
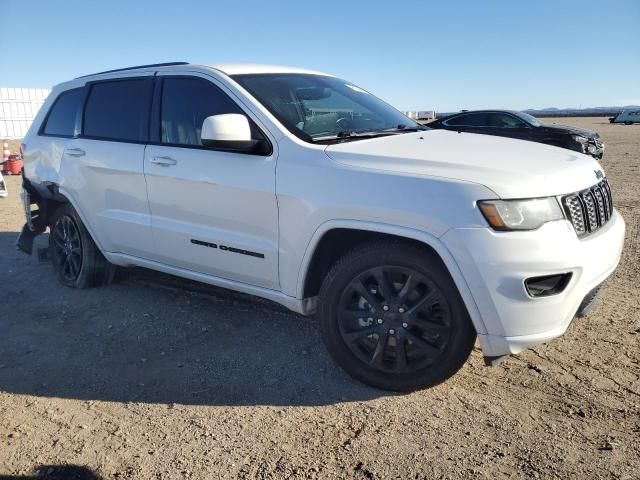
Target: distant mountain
[{"x": 583, "y": 112}]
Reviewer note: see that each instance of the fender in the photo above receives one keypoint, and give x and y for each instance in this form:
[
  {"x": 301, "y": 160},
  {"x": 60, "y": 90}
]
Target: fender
[
  {"x": 51, "y": 191},
  {"x": 74, "y": 203},
  {"x": 418, "y": 235}
]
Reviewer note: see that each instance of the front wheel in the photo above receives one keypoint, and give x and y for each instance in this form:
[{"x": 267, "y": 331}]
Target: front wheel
[
  {"x": 76, "y": 258},
  {"x": 392, "y": 317}
]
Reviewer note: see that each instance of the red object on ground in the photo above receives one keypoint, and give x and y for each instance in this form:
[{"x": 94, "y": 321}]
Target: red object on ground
[{"x": 13, "y": 166}]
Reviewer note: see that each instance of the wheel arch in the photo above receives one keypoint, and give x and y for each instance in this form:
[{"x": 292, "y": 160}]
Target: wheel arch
[
  {"x": 51, "y": 196},
  {"x": 321, "y": 252}
]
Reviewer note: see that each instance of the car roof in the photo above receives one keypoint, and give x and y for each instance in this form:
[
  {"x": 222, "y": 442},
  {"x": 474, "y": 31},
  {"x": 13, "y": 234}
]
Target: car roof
[
  {"x": 250, "y": 68},
  {"x": 224, "y": 69},
  {"x": 228, "y": 69},
  {"x": 513, "y": 112}
]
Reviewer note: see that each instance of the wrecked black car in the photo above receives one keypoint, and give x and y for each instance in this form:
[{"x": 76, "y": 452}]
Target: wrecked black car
[{"x": 520, "y": 125}]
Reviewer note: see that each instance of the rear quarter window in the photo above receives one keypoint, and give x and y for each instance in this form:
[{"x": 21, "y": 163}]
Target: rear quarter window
[
  {"x": 118, "y": 110},
  {"x": 61, "y": 120}
]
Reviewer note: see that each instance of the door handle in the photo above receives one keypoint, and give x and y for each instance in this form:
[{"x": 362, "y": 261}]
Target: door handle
[
  {"x": 74, "y": 152},
  {"x": 163, "y": 161}
]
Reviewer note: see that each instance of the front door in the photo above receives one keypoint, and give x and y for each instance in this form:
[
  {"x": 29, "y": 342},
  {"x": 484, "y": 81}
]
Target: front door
[
  {"x": 506, "y": 125},
  {"x": 212, "y": 211}
]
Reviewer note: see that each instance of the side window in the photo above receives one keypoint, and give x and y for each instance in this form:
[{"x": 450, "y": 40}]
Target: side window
[
  {"x": 468, "y": 120},
  {"x": 186, "y": 102},
  {"x": 503, "y": 120},
  {"x": 61, "y": 120},
  {"x": 118, "y": 110}
]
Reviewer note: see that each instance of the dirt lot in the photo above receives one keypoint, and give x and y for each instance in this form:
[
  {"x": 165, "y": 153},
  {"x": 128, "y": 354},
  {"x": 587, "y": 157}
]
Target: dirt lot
[{"x": 155, "y": 377}]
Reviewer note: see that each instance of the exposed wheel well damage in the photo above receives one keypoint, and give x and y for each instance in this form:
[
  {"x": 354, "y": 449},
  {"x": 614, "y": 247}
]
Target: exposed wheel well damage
[
  {"x": 337, "y": 242},
  {"x": 47, "y": 199}
]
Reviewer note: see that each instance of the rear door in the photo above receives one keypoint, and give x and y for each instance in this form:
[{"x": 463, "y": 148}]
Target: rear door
[
  {"x": 212, "y": 211},
  {"x": 102, "y": 168},
  {"x": 43, "y": 148}
]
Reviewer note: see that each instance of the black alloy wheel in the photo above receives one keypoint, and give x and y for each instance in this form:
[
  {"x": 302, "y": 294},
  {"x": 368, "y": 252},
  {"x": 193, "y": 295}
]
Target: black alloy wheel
[
  {"x": 76, "y": 258},
  {"x": 394, "y": 319},
  {"x": 67, "y": 246}
]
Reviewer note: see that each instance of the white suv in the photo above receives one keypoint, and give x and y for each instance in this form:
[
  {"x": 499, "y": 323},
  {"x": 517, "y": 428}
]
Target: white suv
[{"x": 305, "y": 189}]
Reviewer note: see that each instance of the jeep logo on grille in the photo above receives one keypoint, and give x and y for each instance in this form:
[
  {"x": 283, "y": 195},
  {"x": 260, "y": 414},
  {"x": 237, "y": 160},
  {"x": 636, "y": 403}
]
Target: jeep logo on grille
[{"x": 599, "y": 174}]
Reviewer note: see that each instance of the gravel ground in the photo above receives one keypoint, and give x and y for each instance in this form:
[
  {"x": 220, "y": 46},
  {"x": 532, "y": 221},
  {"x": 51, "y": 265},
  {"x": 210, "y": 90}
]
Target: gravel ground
[{"x": 156, "y": 377}]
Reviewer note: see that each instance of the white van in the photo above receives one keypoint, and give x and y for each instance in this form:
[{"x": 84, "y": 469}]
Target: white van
[{"x": 627, "y": 117}]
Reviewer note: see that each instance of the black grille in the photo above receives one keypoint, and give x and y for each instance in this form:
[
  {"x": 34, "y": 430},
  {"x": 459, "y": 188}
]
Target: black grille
[{"x": 589, "y": 209}]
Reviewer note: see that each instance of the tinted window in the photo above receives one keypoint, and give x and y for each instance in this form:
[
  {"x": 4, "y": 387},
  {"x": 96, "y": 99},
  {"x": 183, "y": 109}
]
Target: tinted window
[
  {"x": 468, "y": 120},
  {"x": 62, "y": 118},
  {"x": 118, "y": 110},
  {"x": 186, "y": 102},
  {"x": 531, "y": 120},
  {"x": 504, "y": 120}
]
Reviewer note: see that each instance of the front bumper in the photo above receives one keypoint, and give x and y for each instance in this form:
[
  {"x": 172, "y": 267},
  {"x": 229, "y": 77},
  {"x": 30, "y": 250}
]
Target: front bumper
[
  {"x": 594, "y": 146},
  {"x": 496, "y": 264}
]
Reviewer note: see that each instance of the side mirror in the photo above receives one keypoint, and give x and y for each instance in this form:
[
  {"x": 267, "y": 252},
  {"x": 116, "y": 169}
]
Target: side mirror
[{"x": 228, "y": 131}]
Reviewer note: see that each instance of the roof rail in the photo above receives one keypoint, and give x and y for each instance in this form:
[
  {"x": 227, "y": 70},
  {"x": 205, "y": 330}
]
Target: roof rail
[{"x": 167, "y": 64}]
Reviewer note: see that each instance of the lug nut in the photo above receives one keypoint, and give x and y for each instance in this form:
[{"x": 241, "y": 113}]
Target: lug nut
[
  {"x": 401, "y": 310},
  {"x": 392, "y": 331},
  {"x": 385, "y": 308},
  {"x": 379, "y": 320},
  {"x": 405, "y": 325}
]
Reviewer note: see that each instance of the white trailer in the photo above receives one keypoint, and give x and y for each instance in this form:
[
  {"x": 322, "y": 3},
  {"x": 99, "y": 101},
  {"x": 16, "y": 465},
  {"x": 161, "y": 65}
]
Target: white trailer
[
  {"x": 627, "y": 117},
  {"x": 421, "y": 114}
]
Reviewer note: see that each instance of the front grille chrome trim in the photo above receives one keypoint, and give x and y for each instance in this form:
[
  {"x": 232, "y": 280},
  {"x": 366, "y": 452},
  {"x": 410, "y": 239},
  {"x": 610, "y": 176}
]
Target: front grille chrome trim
[{"x": 590, "y": 209}]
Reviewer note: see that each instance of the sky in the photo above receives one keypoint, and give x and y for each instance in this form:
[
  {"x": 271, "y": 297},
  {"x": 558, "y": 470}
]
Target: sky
[{"x": 416, "y": 55}]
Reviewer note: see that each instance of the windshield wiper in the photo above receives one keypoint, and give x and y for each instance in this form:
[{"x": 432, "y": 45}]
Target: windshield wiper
[{"x": 346, "y": 135}]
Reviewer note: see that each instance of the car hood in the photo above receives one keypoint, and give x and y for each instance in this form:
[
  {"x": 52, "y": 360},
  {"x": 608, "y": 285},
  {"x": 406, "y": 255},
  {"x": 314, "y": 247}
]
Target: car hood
[
  {"x": 511, "y": 168},
  {"x": 556, "y": 128}
]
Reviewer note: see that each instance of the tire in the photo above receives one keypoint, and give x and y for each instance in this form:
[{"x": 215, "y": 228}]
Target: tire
[
  {"x": 424, "y": 336},
  {"x": 628, "y": 122},
  {"x": 76, "y": 259}
]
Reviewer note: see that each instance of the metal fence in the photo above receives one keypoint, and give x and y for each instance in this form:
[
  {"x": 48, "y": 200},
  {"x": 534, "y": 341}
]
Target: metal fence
[{"x": 18, "y": 108}]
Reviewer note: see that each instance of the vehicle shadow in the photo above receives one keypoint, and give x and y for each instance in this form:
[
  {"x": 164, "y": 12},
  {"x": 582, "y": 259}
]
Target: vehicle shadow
[
  {"x": 56, "y": 472},
  {"x": 150, "y": 337}
]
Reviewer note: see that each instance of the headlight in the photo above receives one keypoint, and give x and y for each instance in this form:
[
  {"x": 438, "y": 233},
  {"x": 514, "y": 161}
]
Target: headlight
[
  {"x": 580, "y": 138},
  {"x": 520, "y": 214}
]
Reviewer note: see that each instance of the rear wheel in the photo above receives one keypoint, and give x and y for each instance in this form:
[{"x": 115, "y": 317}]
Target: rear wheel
[
  {"x": 76, "y": 258},
  {"x": 628, "y": 122},
  {"x": 392, "y": 317}
]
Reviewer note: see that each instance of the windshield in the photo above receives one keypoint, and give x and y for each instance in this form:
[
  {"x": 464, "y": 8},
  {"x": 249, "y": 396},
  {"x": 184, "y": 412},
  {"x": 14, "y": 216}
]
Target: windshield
[
  {"x": 530, "y": 118},
  {"x": 317, "y": 108}
]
